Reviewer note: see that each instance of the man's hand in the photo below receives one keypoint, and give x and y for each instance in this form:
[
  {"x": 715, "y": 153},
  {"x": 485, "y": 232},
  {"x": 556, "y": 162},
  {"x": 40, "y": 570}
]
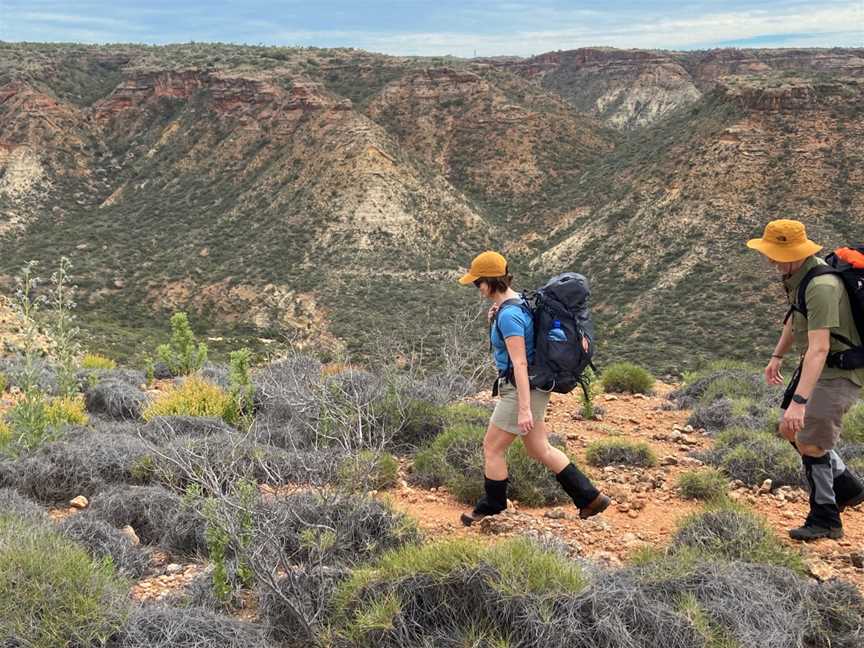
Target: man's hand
[
  {"x": 526, "y": 420},
  {"x": 793, "y": 421},
  {"x": 492, "y": 310},
  {"x": 772, "y": 372}
]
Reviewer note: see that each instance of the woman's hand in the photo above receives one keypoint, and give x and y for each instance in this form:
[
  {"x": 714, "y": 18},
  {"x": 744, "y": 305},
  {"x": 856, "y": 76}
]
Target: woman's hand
[
  {"x": 492, "y": 311},
  {"x": 772, "y": 372},
  {"x": 526, "y": 420}
]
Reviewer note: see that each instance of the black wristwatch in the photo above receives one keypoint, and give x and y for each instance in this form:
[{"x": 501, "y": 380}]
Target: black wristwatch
[{"x": 798, "y": 398}]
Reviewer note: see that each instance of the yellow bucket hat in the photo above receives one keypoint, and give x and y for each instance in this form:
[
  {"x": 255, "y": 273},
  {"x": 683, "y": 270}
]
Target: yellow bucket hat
[
  {"x": 487, "y": 264},
  {"x": 785, "y": 241}
]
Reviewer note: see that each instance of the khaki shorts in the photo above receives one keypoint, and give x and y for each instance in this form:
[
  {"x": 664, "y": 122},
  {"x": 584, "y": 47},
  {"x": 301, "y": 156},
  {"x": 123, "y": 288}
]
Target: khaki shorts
[
  {"x": 506, "y": 414},
  {"x": 830, "y": 400}
]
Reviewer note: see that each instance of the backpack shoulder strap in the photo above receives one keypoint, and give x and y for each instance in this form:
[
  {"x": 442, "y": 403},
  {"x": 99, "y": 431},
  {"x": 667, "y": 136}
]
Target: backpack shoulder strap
[
  {"x": 800, "y": 304},
  {"x": 516, "y": 301}
]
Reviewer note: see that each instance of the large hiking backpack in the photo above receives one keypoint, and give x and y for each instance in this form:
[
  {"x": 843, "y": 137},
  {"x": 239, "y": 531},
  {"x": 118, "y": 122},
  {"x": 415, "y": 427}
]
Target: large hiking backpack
[
  {"x": 848, "y": 264},
  {"x": 558, "y": 364}
]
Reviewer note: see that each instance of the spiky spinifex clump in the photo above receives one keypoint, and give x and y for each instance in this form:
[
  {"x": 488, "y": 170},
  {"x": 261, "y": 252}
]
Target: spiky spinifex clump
[
  {"x": 42, "y": 371},
  {"x": 421, "y": 595},
  {"x": 298, "y": 609},
  {"x": 333, "y": 529},
  {"x": 218, "y": 461},
  {"x": 115, "y": 399},
  {"x": 12, "y": 502},
  {"x": 168, "y": 627},
  {"x": 710, "y": 603},
  {"x": 163, "y": 429},
  {"x": 158, "y": 516},
  {"x": 288, "y": 404},
  {"x": 101, "y": 540},
  {"x": 729, "y": 532},
  {"x": 82, "y": 463}
]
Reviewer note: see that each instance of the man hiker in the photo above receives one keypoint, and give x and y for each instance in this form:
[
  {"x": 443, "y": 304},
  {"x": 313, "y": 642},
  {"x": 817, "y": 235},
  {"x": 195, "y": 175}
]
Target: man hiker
[{"x": 818, "y": 395}]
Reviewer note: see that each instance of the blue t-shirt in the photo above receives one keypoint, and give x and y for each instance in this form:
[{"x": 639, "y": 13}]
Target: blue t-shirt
[{"x": 512, "y": 320}]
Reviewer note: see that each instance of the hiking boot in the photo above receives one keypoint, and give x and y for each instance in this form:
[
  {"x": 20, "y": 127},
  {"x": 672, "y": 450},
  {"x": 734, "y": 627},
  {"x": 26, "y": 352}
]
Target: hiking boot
[
  {"x": 848, "y": 490},
  {"x": 600, "y": 504},
  {"x": 494, "y": 501},
  {"x": 471, "y": 517},
  {"x": 809, "y": 532},
  {"x": 855, "y": 501}
]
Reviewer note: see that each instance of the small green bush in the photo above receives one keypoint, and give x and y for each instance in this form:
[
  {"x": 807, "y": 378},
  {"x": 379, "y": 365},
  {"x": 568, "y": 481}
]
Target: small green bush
[
  {"x": 853, "y": 424},
  {"x": 611, "y": 452},
  {"x": 370, "y": 470},
  {"x": 194, "y": 397},
  {"x": 627, "y": 377},
  {"x": 97, "y": 361},
  {"x": 34, "y": 421},
  {"x": 706, "y": 484},
  {"x": 455, "y": 459},
  {"x": 54, "y": 594},
  {"x": 182, "y": 355},
  {"x": 4, "y": 382}
]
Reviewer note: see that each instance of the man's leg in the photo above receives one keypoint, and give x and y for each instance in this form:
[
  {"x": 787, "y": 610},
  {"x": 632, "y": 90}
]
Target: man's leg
[
  {"x": 823, "y": 520},
  {"x": 815, "y": 441}
]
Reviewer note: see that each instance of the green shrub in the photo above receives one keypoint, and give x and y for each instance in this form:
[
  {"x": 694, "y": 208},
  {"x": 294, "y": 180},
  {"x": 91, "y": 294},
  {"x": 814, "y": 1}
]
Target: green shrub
[
  {"x": 4, "y": 382},
  {"x": 194, "y": 397},
  {"x": 611, "y": 452},
  {"x": 853, "y": 424},
  {"x": 182, "y": 355},
  {"x": 626, "y": 377},
  {"x": 54, "y": 594},
  {"x": 455, "y": 459},
  {"x": 370, "y": 470},
  {"x": 34, "y": 421},
  {"x": 706, "y": 484},
  {"x": 97, "y": 361}
]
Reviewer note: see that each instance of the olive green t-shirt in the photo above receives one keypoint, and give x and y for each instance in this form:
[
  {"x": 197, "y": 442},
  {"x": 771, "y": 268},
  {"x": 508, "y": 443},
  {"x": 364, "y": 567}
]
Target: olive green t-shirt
[{"x": 827, "y": 307}]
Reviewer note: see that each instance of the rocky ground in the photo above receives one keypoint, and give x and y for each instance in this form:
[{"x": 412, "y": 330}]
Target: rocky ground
[{"x": 646, "y": 501}]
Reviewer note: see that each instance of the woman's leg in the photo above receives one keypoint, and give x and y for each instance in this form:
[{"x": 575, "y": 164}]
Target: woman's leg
[
  {"x": 495, "y": 445},
  {"x": 538, "y": 447},
  {"x": 574, "y": 482},
  {"x": 494, "y": 499}
]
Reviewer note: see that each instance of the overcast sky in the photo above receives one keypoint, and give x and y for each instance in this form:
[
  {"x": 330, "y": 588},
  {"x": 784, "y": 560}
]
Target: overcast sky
[{"x": 440, "y": 27}]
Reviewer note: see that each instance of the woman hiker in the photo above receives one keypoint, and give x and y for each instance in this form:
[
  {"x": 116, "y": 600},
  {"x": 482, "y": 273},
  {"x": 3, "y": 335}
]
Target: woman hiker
[{"x": 520, "y": 410}]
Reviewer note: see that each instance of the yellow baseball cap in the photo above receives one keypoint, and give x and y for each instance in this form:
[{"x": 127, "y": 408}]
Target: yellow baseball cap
[
  {"x": 487, "y": 264},
  {"x": 785, "y": 241}
]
